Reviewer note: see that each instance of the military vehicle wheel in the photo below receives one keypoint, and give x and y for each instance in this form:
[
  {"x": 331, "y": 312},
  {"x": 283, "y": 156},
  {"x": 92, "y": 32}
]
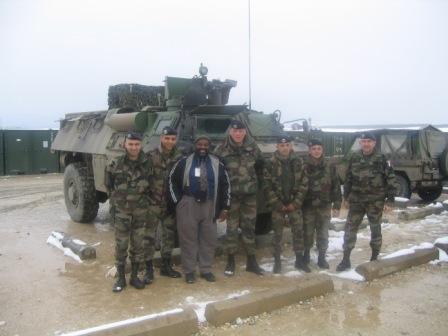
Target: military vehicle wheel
[
  {"x": 403, "y": 188},
  {"x": 429, "y": 194},
  {"x": 80, "y": 193}
]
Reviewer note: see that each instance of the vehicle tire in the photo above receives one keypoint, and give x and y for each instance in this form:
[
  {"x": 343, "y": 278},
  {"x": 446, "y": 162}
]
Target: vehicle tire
[
  {"x": 429, "y": 194},
  {"x": 80, "y": 193},
  {"x": 403, "y": 187}
]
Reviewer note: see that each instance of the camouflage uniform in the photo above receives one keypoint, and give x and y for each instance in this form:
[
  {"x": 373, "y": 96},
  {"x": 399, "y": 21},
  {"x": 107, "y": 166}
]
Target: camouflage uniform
[
  {"x": 369, "y": 182},
  {"x": 161, "y": 164},
  {"x": 245, "y": 165},
  {"x": 127, "y": 182},
  {"x": 324, "y": 190},
  {"x": 289, "y": 185}
]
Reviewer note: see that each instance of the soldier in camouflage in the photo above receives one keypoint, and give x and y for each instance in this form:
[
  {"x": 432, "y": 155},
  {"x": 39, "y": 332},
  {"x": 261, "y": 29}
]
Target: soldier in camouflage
[
  {"x": 245, "y": 165},
  {"x": 161, "y": 160},
  {"x": 324, "y": 194},
  {"x": 369, "y": 189},
  {"x": 127, "y": 183},
  {"x": 289, "y": 185}
]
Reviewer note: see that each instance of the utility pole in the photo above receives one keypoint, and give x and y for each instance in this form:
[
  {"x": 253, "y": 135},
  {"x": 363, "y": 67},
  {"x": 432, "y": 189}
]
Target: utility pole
[{"x": 250, "y": 73}]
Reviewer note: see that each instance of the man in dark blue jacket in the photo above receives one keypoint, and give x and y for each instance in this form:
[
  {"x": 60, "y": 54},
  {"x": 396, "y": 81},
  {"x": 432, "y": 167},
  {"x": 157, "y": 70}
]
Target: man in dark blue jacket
[{"x": 199, "y": 188}]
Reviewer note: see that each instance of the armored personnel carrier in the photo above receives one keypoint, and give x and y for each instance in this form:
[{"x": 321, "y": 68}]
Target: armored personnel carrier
[{"x": 87, "y": 141}]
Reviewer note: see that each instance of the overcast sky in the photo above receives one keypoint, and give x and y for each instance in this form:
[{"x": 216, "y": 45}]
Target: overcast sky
[{"x": 338, "y": 62}]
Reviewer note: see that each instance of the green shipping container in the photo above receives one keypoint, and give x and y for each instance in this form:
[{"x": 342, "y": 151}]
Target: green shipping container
[
  {"x": 2, "y": 156},
  {"x": 29, "y": 152},
  {"x": 42, "y": 159},
  {"x": 17, "y": 152}
]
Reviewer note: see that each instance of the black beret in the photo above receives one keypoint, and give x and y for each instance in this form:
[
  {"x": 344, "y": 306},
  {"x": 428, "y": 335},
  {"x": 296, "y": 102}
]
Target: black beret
[
  {"x": 314, "y": 142},
  {"x": 368, "y": 135},
  {"x": 168, "y": 130},
  {"x": 283, "y": 139},
  {"x": 134, "y": 136},
  {"x": 236, "y": 124}
]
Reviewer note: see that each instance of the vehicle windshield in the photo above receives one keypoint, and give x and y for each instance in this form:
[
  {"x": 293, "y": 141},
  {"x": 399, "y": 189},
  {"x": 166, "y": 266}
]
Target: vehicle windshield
[{"x": 263, "y": 125}]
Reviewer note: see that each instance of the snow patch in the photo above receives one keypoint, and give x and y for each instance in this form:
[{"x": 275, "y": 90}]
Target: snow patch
[
  {"x": 436, "y": 205},
  {"x": 408, "y": 250},
  {"x": 293, "y": 274},
  {"x": 335, "y": 241},
  {"x": 442, "y": 240},
  {"x": 55, "y": 239},
  {"x": 199, "y": 306},
  {"x": 443, "y": 257},
  {"x": 401, "y": 199},
  {"x": 238, "y": 294},
  {"x": 79, "y": 242},
  {"x": 350, "y": 275}
]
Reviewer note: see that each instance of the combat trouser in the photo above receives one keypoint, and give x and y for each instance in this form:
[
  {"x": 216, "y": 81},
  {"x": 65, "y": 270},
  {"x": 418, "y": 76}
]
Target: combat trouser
[
  {"x": 357, "y": 210},
  {"x": 156, "y": 216},
  {"x": 152, "y": 223},
  {"x": 242, "y": 214},
  {"x": 169, "y": 235},
  {"x": 129, "y": 234},
  {"x": 316, "y": 219},
  {"x": 295, "y": 221}
]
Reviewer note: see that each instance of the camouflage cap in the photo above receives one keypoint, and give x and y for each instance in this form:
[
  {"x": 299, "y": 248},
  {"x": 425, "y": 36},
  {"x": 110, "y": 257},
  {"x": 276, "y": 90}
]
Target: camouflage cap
[
  {"x": 284, "y": 139},
  {"x": 368, "y": 135},
  {"x": 168, "y": 130},
  {"x": 314, "y": 142},
  {"x": 202, "y": 137},
  {"x": 134, "y": 136},
  {"x": 236, "y": 124}
]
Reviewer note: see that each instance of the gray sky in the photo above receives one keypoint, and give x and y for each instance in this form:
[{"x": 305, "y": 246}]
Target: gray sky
[{"x": 342, "y": 62}]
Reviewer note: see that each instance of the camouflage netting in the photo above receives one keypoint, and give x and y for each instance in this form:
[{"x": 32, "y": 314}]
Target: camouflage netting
[{"x": 134, "y": 95}]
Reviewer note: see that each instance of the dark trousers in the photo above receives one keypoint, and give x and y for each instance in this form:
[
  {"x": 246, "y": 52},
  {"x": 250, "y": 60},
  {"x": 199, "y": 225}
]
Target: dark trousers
[{"x": 197, "y": 234}]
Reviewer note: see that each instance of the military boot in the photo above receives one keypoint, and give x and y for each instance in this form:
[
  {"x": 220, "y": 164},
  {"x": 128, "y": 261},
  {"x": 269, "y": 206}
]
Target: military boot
[
  {"x": 167, "y": 270},
  {"x": 375, "y": 254},
  {"x": 149, "y": 273},
  {"x": 120, "y": 284},
  {"x": 345, "y": 263},
  {"x": 230, "y": 267},
  {"x": 135, "y": 280},
  {"x": 277, "y": 264},
  {"x": 306, "y": 256},
  {"x": 252, "y": 265},
  {"x": 300, "y": 263},
  {"x": 321, "y": 260}
]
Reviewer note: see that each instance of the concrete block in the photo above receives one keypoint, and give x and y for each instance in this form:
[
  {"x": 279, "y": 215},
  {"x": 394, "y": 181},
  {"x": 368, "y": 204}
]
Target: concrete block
[
  {"x": 377, "y": 269},
  {"x": 218, "y": 313},
  {"x": 412, "y": 214},
  {"x": 442, "y": 246},
  {"x": 176, "y": 322}
]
